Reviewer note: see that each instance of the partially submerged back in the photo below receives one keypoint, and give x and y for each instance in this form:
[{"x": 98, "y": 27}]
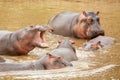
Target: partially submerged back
[
  {"x": 48, "y": 61},
  {"x": 66, "y": 50},
  {"x": 98, "y": 42}
]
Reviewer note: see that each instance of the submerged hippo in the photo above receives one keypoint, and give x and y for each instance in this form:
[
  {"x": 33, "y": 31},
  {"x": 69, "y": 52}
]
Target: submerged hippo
[
  {"x": 71, "y": 24},
  {"x": 22, "y": 41},
  {"x": 66, "y": 50},
  {"x": 98, "y": 43},
  {"x": 48, "y": 61}
]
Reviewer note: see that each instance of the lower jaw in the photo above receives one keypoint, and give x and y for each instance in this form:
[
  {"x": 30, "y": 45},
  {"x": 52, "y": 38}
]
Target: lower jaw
[{"x": 44, "y": 45}]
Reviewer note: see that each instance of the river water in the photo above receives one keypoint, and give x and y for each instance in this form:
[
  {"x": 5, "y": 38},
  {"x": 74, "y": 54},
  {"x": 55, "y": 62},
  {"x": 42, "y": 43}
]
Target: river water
[{"x": 99, "y": 65}]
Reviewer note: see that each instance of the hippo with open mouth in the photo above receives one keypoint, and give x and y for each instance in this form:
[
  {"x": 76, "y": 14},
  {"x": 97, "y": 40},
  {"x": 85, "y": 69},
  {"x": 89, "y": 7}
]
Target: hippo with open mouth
[
  {"x": 23, "y": 40},
  {"x": 71, "y": 24}
]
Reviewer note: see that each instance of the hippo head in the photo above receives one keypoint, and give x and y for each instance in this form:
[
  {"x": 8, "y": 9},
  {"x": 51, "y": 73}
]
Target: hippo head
[
  {"x": 30, "y": 37},
  {"x": 55, "y": 62},
  {"x": 35, "y": 34},
  {"x": 66, "y": 44},
  {"x": 92, "y": 46},
  {"x": 88, "y": 25}
]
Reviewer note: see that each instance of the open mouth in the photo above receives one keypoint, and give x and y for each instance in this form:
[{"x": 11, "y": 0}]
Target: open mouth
[
  {"x": 42, "y": 36},
  {"x": 42, "y": 40}
]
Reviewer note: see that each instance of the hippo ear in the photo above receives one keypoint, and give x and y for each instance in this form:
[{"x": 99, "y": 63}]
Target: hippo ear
[
  {"x": 59, "y": 57},
  {"x": 96, "y": 45},
  {"x": 72, "y": 42},
  {"x": 32, "y": 26},
  {"x": 50, "y": 55},
  {"x": 59, "y": 41},
  {"x": 99, "y": 42},
  {"x": 97, "y": 12},
  {"x": 84, "y": 13}
]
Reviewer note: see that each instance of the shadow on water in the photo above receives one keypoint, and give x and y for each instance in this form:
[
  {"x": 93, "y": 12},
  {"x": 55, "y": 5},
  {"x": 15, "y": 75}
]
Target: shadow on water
[{"x": 99, "y": 65}]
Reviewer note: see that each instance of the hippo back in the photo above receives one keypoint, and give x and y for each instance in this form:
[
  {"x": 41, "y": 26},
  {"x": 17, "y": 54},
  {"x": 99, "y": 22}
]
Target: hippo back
[
  {"x": 5, "y": 38},
  {"x": 66, "y": 50},
  {"x": 63, "y": 23}
]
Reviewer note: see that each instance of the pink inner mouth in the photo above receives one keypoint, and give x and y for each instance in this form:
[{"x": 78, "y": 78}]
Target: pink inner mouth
[{"x": 42, "y": 39}]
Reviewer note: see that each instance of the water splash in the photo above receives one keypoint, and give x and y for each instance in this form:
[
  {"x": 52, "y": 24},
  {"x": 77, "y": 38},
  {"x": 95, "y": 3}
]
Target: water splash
[{"x": 58, "y": 74}]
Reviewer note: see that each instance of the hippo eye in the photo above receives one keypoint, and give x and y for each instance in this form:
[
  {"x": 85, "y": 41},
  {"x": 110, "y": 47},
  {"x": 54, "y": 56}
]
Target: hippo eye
[
  {"x": 56, "y": 62},
  {"x": 98, "y": 19},
  {"x": 89, "y": 20}
]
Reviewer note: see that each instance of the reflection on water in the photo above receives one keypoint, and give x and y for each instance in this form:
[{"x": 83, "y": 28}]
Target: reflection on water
[{"x": 102, "y": 64}]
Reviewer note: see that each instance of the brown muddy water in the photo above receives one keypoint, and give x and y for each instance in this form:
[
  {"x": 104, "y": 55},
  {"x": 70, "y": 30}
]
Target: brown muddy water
[{"x": 98, "y": 65}]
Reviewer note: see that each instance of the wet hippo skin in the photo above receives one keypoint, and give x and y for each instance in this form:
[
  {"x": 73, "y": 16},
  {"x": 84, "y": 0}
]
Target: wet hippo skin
[
  {"x": 47, "y": 62},
  {"x": 72, "y": 24},
  {"x": 66, "y": 50},
  {"x": 98, "y": 43},
  {"x": 22, "y": 41}
]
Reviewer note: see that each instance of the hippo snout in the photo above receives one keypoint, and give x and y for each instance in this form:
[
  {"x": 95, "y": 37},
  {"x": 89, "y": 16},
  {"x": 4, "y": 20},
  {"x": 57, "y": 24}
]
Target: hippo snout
[
  {"x": 93, "y": 34},
  {"x": 69, "y": 64},
  {"x": 101, "y": 33}
]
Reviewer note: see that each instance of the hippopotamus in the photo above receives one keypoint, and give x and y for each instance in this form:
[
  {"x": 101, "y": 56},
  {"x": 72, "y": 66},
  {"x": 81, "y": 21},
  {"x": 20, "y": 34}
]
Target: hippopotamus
[
  {"x": 2, "y": 59},
  {"x": 66, "y": 50},
  {"x": 47, "y": 62},
  {"x": 98, "y": 43},
  {"x": 71, "y": 24},
  {"x": 22, "y": 41}
]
